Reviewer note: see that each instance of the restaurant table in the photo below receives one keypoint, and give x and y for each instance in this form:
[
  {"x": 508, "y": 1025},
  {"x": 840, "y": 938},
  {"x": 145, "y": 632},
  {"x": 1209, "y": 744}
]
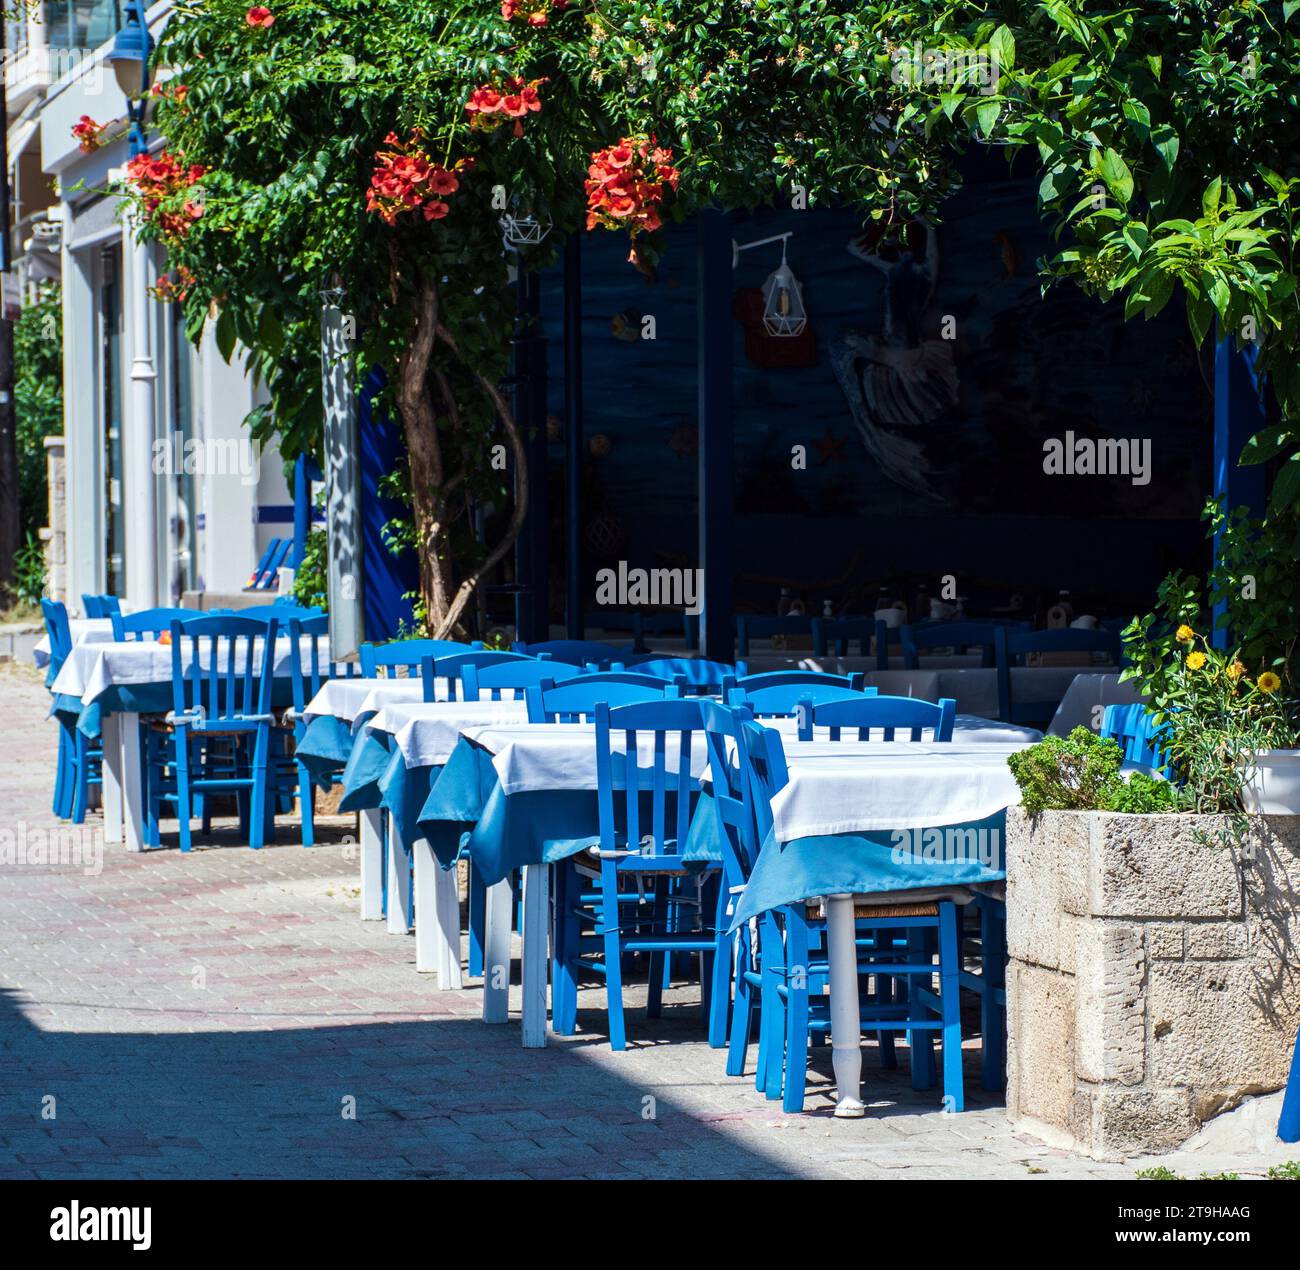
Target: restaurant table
[
  {"x": 835, "y": 834},
  {"x": 1085, "y": 702},
  {"x": 522, "y": 797},
  {"x": 397, "y": 755},
  {"x": 82, "y": 630},
  {"x": 106, "y": 686}
]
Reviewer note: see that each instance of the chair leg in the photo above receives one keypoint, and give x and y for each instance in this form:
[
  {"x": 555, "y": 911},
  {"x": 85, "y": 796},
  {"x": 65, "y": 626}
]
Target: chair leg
[
  {"x": 796, "y": 1043},
  {"x": 720, "y": 993},
  {"x": 181, "y": 747},
  {"x": 62, "y": 804},
  {"x": 613, "y": 955},
  {"x": 306, "y": 806},
  {"x": 742, "y": 1009},
  {"x": 950, "y": 998},
  {"x": 993, "y": 982},
  {"x": 478, "y": 919},
  {"x": 80, "y": 777},
  {"x": 885, "y": 1038},
  {"x": 564, "y": 951},
  {"x": 921, "y": 1040},
  {"x": 258, "y": 809}
]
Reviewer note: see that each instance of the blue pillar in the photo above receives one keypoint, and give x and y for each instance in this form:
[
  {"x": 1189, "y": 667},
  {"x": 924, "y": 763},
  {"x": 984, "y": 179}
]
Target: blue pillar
[
  {"x": 1239, "y": 413},
  {"x": 301, "y": 509},
  {"x": 716, "y": 441},
  {"x": 573, "y": 565}
]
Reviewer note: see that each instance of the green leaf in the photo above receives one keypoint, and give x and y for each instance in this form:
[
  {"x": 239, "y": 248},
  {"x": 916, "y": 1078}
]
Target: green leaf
[
  {"x": 1003, "y": 44},
  {"x": 1118, "y": 178},
  {"x": 225, "y": 334},
  {"x": 1165, "y": 140},
  {"x": 1266, "y": 443},
  {"x": 1210, "y": 199},
  {"x": 987, "y": 113}
]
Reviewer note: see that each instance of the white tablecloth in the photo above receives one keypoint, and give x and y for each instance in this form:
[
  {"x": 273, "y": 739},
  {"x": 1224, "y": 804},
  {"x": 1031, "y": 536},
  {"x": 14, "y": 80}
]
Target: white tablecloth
[
  {"x": 93, "y": 668},
  {"x": 357, "y": 699},
  {"x": 1085, "y": 702},
  {"x": 530, "y": 757},
  {"x": 83, "y": 630},
  {"x": 861, "y": 786},
  {"x": 426, "y": 732}
]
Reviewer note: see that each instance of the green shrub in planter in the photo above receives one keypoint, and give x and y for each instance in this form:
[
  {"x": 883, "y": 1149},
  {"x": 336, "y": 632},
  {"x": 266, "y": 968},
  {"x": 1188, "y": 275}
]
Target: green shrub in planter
[{"x": 1081, "y": 772}]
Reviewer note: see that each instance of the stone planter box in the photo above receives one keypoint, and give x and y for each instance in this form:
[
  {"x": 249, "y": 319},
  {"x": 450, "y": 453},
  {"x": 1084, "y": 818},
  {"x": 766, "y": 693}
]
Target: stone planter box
[{"x": 1154, "y": 978}]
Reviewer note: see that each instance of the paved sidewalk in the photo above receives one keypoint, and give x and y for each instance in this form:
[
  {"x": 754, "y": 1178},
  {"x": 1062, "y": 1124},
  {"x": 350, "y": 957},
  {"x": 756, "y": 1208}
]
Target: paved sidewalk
[{"x": 226, "y": 1014}]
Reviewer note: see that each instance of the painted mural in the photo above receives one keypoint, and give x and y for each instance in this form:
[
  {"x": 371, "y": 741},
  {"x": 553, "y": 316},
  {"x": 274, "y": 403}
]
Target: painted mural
[{"x": 930, "y": 375}]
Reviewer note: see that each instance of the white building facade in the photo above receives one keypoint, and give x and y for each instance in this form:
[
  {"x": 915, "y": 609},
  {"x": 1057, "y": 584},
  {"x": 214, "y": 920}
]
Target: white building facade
[{"x": 164, "y": 494}]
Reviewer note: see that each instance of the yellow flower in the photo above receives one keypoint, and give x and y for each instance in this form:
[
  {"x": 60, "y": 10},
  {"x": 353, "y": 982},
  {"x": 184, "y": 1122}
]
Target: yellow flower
[
  {"x": 1268, "y": 682},
  {"x": 1195, "y": 661},
  {"x": 1235, "y": 670},
  {"x": 1184, "y": 634}
]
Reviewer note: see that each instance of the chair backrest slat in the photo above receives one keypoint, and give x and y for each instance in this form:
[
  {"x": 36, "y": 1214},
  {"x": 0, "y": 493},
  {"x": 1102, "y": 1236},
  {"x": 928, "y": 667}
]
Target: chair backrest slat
[
  {"x": 778, "y": 693},
  {"x": 148, "y": 623},
  {"x": 222, "y": 666},
  {"x": 575, "y": 700},
  {"x": 492, "y": 680},
  {"x": 406, "y": 654},
  {"x": 677, "y": 719},
  {"x": 451, "y": 668},
  {"x": 886, "y": 714},
  {"x": 694, "y": 675}
]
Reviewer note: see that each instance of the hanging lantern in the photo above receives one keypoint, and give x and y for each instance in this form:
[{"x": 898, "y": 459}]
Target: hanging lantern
[
  {"x": 524, "y": 231},
  {"x": 783, "y": 312}
]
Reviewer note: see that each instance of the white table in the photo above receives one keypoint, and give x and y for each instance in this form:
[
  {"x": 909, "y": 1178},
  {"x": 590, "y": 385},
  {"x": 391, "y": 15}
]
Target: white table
[
  {"x": 83, "y": 630},
  {"x": 93, "y": 667},
  {"x": 557, "y": 756},
  {"x": 425, "y": 733},
  {"x": 1085, "y": 702},
  {"x": 878, "y": 785}
]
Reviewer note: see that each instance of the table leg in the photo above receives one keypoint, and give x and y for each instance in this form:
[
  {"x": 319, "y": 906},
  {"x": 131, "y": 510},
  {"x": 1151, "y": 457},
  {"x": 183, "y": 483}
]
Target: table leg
[
  {"x": 536, "y": 920},
  {"x": 437, "y": 918},
  {"x": 496, "y": 953},
  {"x": 111, "y": 793},
  {"x": 846, "y": 1035},
  {"x": 132, "y": 781},
  {"x": 399, "y": 881},
  {"x": 372, "y": 866}
]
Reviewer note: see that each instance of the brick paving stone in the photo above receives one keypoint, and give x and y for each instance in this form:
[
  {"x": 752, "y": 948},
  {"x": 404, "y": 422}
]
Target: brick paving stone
[{"x": 207, "y": 1015}]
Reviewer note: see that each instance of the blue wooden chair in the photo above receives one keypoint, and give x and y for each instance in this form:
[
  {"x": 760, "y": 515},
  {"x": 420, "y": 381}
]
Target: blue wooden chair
[
  {"x": 897, "y": 943},
  {"x": 884, "y": 715},
  {"x": 262, "y": 567},
  {"x": 575, "y": 700},
  {"x": 100, "y": 605},
  {"x": 451, "y": 667},
  {"x": 1014, "y": 645},
  {"x": 148, "y": 623},
  {"x": 217, "y": 736},
  {"x": 836, "y": 635},
  {"x": 306, "y": 677},
  {"x": 492, "y": 681},
  {"x": 761, "y": 626},
  {"x": 282, "y": 612},
  {"x": 1288, "y": 1123},
  {"x": 378, "y": 660},
  {"x": 645, "y": 816},
  {"x": 777, "y": 693},
  {"x": 79, "y": 763},
  {"x": 1130, "y": 727},
  {"x": 579, "y": 652},
  {"x": 955, "y": 635},
  {"x": 265, "y": 576},
  {"x": 695, "y": 676}
]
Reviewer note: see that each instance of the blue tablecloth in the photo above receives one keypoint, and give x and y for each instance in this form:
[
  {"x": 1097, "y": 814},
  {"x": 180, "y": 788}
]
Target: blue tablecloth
[
  {"x": 325, "y": 748},
  {"x": 153, "y": 698},
  {"x": 504, "y": 833},
  {"x": 867, "y": 863}
]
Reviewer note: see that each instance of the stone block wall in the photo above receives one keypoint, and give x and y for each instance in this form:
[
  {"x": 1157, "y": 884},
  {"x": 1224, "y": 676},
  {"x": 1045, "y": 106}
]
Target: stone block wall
[
  {"x": 55, "y": 534},
  {"x": 1154, "y": 974}
]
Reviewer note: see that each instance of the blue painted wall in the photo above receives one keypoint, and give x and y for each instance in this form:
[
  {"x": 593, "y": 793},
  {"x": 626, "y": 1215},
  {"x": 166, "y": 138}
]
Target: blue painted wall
[
  {"x": 387, "y": 577},
  {"x": 946, "y": 479}
]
